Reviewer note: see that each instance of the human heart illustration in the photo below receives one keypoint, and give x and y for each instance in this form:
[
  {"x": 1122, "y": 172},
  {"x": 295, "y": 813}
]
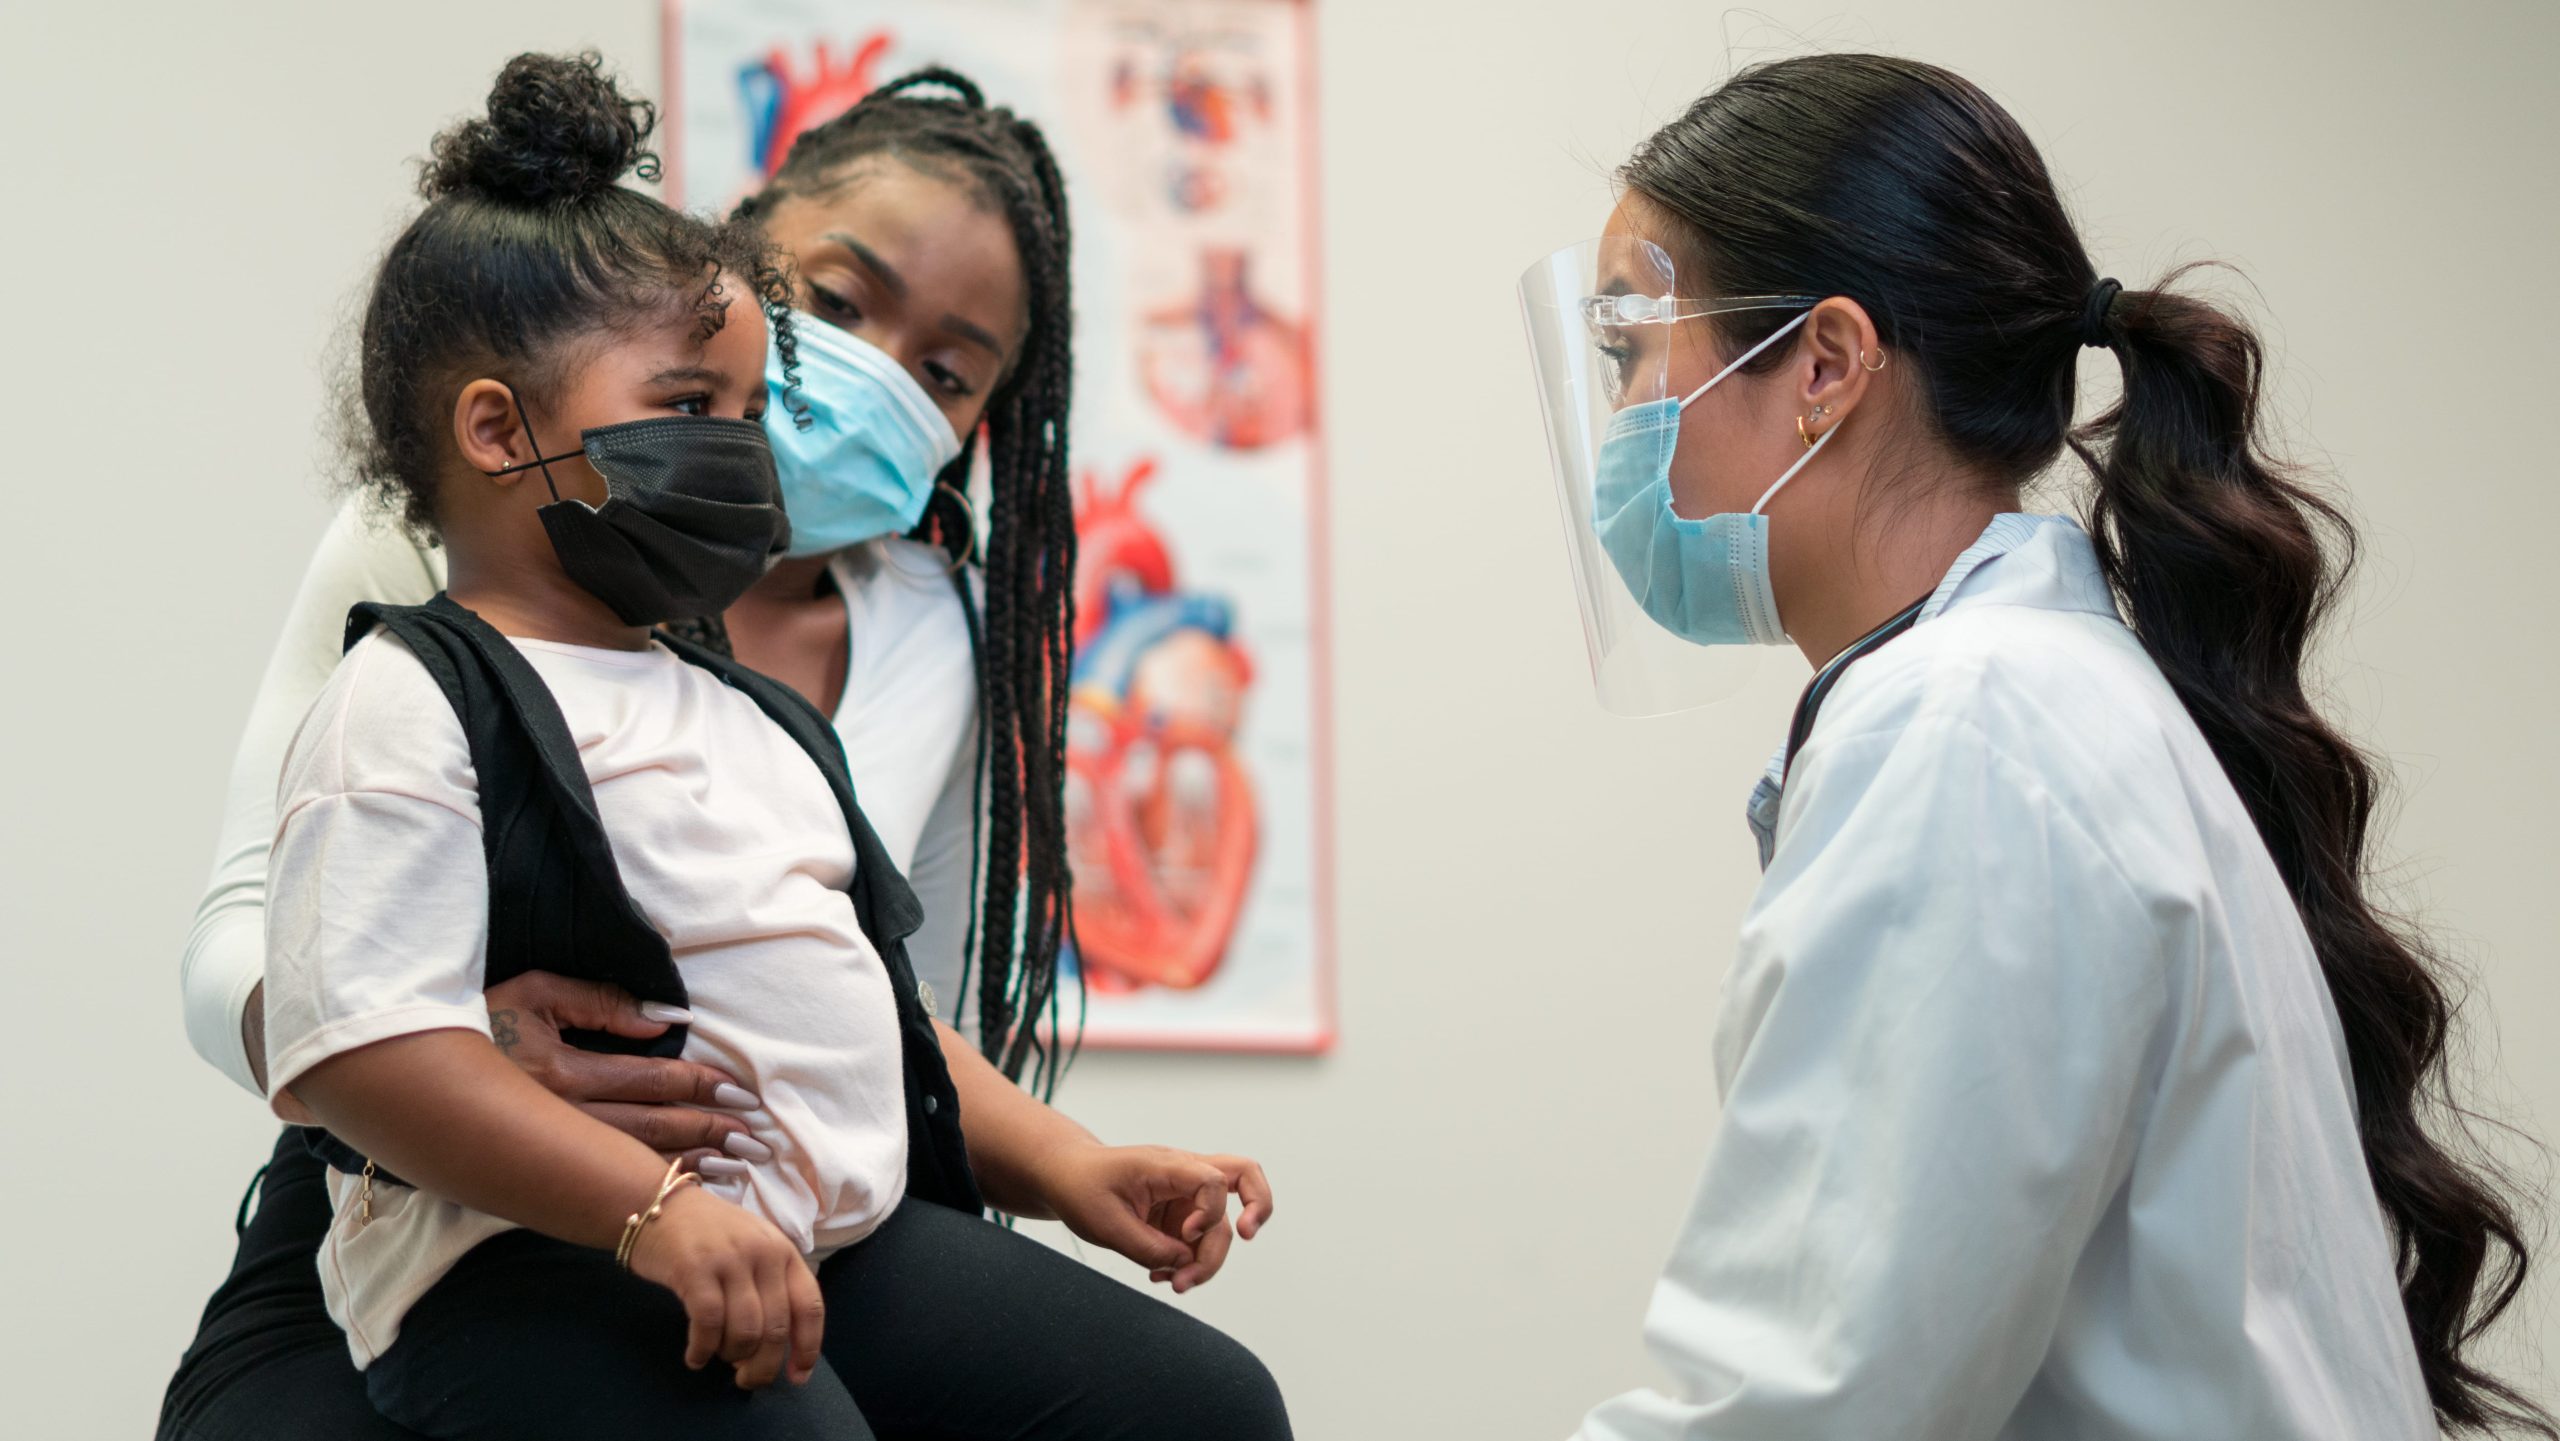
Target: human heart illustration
[
  {"x": 1160, "y": 810},
  {"x": 783, "y": 100}
]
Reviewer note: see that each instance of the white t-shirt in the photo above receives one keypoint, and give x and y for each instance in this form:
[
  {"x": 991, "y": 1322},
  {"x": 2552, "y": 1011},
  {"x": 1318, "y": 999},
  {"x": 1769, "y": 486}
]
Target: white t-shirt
[
  {"x": 728, "y": 839},
  {"x": 907, "y": 720}
]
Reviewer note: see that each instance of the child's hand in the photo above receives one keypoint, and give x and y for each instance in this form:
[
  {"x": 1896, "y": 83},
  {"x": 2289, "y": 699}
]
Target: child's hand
[
  {"x": 1162, "y": 1208},
  {"x": 751, "y": 1298}
]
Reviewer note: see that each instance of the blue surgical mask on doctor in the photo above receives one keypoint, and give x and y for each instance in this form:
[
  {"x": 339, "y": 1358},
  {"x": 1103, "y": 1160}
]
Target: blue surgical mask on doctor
[
  {"x": 859, "y": 446},
  {"x": 1704, "y": 580}
]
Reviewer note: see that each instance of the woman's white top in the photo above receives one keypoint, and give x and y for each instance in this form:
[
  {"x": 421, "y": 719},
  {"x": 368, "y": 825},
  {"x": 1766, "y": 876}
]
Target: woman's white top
[
  {"x": 727, "y": 838},
  {"x": 907, "y": 720},
  {"x": 2037, "y": 1116}
]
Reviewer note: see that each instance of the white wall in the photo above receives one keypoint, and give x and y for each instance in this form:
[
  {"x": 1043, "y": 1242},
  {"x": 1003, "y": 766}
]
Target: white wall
[{"x": 1536, "y": 900}]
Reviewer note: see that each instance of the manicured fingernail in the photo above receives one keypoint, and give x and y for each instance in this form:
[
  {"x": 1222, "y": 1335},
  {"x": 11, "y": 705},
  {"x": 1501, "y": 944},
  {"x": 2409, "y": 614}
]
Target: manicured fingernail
[
  {"x": 736, "y": 1098},
  {"x": 662, "y": 1012},
  {"x": 740, "y": 1143},
  {"x": 722, "y": 1167}
]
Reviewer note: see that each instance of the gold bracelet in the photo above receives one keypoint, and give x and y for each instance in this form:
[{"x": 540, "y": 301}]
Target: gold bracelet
[{"x": 677, "y": 1178}]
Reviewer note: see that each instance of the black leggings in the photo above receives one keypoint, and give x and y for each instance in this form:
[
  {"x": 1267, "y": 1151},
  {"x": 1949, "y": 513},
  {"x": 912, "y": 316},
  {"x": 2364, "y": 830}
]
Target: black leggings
[{"x": 940, "y": 1325}]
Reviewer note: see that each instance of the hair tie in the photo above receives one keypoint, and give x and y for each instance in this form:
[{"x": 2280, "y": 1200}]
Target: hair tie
[
  {"x": 2093, "y": 315},
  {"x": 962, "y": 88}
]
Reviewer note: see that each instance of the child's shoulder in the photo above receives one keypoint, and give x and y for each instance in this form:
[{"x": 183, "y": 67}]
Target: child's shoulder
[{"x": 381, "y": 724}]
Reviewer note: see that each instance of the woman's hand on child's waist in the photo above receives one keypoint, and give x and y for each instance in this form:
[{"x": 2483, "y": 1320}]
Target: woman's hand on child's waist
[{"x": 676, "y": 1107}]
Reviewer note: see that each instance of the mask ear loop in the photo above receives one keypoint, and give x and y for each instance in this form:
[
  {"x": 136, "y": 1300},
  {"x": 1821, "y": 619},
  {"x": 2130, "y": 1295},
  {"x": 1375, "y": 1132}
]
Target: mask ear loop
[
  {"x": 1802, "y": 461},
  {"x": 538, "y": 457},
  {"x": 1745, "y": 359}
]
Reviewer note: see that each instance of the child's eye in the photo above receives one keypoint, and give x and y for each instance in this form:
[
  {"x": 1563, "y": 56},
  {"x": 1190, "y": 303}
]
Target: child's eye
[
  {"x": 950, "y": 381},
  {"x": 691, "y": 404}
]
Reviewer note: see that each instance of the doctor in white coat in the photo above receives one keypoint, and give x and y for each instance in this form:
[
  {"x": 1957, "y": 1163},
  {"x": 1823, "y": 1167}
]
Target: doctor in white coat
[{"x": 2073, "y": 1088}]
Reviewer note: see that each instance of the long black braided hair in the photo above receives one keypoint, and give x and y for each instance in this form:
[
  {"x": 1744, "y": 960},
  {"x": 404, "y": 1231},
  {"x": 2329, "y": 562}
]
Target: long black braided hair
[{"x": 1024, "y": 640}]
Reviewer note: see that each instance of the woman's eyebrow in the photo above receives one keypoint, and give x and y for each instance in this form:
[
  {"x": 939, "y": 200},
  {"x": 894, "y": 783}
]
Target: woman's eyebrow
[
  {"x": 889, "y": 279},
  {"x": 970, "y": 330},
  {"x": 896, "y": 284}
]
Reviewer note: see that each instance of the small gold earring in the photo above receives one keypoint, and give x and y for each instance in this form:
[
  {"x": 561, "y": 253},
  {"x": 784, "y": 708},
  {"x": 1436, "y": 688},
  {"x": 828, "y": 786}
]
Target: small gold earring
[
  {"x": 1805, "y": 435},
  {"x": 1871, "y": 369}
]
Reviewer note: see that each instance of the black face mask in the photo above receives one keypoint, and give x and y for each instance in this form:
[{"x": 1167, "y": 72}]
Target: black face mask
[{"x": 691, "y": 518}]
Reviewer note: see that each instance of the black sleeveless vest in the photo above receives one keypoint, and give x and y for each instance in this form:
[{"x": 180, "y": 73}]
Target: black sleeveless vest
[{"x": 556, "y": 901}]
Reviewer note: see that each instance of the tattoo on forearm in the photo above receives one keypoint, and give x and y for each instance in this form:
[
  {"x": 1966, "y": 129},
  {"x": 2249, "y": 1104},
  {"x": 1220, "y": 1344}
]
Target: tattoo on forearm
[{"x": 502, "y": 1029}]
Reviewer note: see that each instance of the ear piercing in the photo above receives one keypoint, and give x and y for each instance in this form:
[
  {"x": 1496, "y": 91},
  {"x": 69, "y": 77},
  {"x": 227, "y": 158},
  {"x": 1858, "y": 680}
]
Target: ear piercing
[{"x": 1804, "y": 424}]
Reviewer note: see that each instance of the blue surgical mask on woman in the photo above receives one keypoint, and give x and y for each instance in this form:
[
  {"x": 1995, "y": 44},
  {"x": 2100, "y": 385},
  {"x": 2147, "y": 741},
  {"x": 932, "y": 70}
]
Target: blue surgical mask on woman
[
  {"x": 1706, "y": 580},
  {"x": 859, "y": 445}
]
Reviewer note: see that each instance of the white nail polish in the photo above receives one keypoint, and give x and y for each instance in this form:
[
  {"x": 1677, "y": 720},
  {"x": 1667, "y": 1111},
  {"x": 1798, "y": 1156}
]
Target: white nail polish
[
  {"x": 736, "y": 1098},
  {"x": 723, "y": 1168},
  {"x": 661, "y": 1012},
  {"x": 739, "y": 1143}
]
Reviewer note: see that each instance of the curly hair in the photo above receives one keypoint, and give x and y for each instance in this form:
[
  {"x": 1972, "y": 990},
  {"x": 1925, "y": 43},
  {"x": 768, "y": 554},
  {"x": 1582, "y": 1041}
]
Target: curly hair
[{"x": 529, "y": 241}]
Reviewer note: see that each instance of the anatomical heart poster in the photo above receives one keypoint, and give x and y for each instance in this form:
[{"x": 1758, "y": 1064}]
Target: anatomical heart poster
[{"x": 1197, "y": 801}]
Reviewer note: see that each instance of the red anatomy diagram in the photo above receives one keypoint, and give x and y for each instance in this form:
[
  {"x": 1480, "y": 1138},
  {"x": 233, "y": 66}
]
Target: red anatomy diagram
[
  {"x": 782, "y": 101},
  {"x": 1222, "y": 366},
  {"x": 1160, "y": 810}
]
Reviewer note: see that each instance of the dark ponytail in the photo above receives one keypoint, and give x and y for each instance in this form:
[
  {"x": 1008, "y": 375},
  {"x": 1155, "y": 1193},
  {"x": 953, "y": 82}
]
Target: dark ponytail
[
  {"x": 529, "y": 241},
  {"x": 2226, "y": 565},
  {"x": 1908, "y": 189}
]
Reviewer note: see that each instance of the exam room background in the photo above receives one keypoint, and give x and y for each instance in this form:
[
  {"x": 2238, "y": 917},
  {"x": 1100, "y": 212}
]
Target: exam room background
[{"x": 1536, "y": 902}]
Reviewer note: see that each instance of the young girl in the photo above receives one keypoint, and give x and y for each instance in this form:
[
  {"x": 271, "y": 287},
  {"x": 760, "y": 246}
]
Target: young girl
[{"x": 520, "y": 762}]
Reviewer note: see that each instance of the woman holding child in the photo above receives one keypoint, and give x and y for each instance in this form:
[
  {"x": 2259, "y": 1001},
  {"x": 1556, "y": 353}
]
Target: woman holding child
[{"x": 516, "y": 815}]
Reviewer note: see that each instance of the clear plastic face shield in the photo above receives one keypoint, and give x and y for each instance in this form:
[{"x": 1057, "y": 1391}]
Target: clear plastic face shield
[{"x": 1668, "y": 618}]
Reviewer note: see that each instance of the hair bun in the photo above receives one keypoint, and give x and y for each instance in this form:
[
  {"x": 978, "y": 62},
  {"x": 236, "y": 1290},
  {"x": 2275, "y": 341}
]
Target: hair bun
[{"x": 559, "y": 129}]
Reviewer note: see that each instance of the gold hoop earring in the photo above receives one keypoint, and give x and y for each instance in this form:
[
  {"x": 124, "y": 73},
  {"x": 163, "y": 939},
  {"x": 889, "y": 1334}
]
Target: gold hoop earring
[
  {"x": 968, "y": 510},
  {"x": 1803, "y": 434},
  {"x": 1871, "y": 369}
]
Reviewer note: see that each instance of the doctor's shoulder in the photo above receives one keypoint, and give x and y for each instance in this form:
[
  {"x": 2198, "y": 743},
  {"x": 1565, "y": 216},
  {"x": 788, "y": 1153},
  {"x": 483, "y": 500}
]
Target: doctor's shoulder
[{"x": 2067, "y": 697}]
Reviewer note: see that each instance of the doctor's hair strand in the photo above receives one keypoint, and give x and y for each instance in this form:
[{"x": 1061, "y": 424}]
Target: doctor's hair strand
[
  {"x": 936, "y": 121},
  {"x": 528, "y": 243},
  {"x": 1907, "y": 189}
]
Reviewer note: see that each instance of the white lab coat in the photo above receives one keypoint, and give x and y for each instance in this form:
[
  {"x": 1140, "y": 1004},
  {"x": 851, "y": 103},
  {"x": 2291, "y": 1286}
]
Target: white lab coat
[{"x": 2037, "y": 1117}]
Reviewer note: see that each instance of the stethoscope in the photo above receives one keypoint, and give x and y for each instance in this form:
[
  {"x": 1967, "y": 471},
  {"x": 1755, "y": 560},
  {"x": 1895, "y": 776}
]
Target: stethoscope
[{"x": 1818, "y": 689}]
